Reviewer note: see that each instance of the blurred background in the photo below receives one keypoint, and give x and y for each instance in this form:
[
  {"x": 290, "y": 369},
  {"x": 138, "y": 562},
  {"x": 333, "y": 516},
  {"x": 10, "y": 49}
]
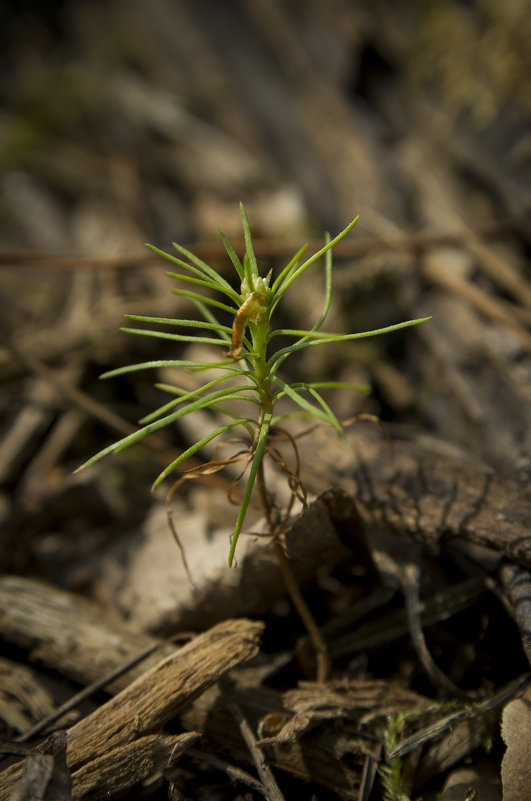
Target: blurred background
[
  {"x": 121, "y": 124},
  {"x": 124, "y": 122}
]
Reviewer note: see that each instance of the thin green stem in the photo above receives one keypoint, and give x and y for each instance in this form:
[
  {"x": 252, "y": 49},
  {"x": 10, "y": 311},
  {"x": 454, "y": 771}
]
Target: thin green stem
[{"x": 259, "y": 449}]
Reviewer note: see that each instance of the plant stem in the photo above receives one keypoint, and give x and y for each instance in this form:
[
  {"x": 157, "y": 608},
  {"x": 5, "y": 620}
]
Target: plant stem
[{"x": 292, "y": 585}]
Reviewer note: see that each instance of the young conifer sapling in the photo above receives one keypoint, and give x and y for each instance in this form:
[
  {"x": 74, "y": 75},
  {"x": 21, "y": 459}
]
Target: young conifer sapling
[{"x": 246, "y": 352}]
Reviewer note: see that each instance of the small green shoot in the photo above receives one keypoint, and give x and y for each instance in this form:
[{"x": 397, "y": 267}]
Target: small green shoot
[
  {"x": 390, "y": 772},
  {"x": 245, "y": 353}
]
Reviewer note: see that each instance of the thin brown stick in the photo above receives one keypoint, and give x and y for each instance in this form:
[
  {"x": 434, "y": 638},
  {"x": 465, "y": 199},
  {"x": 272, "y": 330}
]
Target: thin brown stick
[
  {"x": 292, "y": 585},
  {"x": 271, "y": 789},
  {"x": 234, "y": 773},
  {"x": 304, "y": 612},
  {"x": 264, "y": 248}
]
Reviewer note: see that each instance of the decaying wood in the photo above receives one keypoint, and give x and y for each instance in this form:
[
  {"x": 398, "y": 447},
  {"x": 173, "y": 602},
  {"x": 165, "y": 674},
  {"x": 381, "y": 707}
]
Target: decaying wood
[
  {"x": 156, "y": 695},
  {"x": 332, "y": 756},
  {"x": 121, "y": 768},
  {"x": 67, "y": 626},
  {"x": 363, "y": 700},
  {"x": 47, "y": 722},
  {"x": 357, "y": 712},
  {"x": 112, "y": 773},
  {"x": 422, "y": 492},
  {"x": 69, "y": 633}
]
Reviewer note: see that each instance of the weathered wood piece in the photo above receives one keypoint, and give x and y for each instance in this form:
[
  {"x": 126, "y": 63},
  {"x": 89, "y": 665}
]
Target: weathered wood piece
[
  {"x": 334, "y": 756},
  {"x": 155, "y": 696},
  {"x": 157, "y": 693},
  {"x": 424, "y": 493},
  {"x": 121, "y": 768},
  {"x": 70, "y": 633}
]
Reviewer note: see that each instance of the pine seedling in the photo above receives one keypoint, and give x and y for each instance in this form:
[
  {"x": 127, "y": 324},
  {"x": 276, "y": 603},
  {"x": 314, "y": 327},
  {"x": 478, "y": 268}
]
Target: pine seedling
[{"x": 246, "y": 353}]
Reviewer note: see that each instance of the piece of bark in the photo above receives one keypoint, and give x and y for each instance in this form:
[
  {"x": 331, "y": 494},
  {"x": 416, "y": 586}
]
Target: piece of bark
[
  {"x": 516, "y": 765},
  {"x": 122, "y": 768},
  {"x": 332, "y": 756},
  {"x": 422, "y": 492},
  {"x": 71, "y": 634},
  {"x": 78, "y": 698},
  {"x": 46, "y": 775},
  {"x": 156, "y": 695},
  {"x": 337, "y": 756},
  {"x": 365, "y": 701}
]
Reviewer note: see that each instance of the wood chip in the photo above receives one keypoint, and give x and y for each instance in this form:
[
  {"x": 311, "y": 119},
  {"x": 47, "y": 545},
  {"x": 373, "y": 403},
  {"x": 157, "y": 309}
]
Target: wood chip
[
  {"x": 156, "y": 695},
  {"x": 122, "y": 768}
]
